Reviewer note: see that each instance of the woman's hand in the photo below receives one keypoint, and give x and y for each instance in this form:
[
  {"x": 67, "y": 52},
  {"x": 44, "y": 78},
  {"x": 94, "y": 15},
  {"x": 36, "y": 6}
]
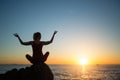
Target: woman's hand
[
  {"x": 55, "y": 32},
  {"x": 16, "y": 35}
]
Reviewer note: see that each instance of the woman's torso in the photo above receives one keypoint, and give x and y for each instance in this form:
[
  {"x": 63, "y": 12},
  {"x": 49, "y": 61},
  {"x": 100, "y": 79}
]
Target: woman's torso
[{"x": 37, "y": 49}]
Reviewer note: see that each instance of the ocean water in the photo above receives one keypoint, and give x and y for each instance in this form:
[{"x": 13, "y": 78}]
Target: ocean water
[{"x": 76, "y": 72}]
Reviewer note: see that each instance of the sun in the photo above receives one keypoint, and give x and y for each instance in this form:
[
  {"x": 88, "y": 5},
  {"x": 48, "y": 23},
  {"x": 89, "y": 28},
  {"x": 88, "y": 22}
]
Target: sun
[{"x": 83, "y": 61}]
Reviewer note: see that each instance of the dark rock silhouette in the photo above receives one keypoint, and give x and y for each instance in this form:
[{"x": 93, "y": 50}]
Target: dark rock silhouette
[{"x": 35, "y": 72}]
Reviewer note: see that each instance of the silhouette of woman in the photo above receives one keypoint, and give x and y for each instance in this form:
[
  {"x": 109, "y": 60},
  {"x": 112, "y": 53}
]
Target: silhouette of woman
[{"x": 37, "y": 46}]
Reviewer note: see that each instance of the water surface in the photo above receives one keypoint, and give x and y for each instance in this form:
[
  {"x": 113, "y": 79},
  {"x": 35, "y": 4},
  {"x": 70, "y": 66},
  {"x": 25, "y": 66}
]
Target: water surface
[{"x": 76, "y": 72}]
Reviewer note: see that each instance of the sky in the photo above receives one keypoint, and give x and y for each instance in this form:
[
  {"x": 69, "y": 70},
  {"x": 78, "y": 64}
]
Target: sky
[{"x": 86, "y": 29}]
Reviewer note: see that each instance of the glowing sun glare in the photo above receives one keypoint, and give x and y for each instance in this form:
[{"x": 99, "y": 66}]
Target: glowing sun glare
[{"x": 83, "y": 61}]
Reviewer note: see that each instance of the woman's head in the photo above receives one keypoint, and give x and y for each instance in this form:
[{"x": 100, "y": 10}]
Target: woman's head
[{"x": 37, "y": 36}]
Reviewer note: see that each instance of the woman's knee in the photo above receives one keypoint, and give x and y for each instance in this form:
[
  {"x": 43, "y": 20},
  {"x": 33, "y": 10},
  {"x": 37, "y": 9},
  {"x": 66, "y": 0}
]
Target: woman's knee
[
  {"x": 28, "y": 57},
  {"x": 47, "y": 53}
]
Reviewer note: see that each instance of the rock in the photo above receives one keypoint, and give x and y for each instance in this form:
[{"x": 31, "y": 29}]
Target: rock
[{"x": 35, "y": 72}]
